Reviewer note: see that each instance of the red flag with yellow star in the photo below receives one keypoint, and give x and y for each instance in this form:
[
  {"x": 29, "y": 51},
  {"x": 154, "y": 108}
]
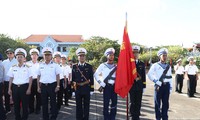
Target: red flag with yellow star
[{"x": 126, "y": 69}]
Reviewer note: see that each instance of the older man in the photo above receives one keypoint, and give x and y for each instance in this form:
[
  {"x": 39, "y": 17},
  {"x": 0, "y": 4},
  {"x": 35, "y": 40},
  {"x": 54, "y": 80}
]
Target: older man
[{"x": 8, "y": 63}]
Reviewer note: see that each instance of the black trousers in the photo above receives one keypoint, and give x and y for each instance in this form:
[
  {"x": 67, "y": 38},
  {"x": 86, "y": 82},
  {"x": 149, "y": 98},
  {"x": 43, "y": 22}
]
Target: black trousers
[
  {"x": 48, "y": 90},
  {"x": 82, "y": 105},
  {"x": 34, "y": 96},
  {"x": 2, "y": 110},
  {"x": 195, "y": 86},
  {"x": 7, "y": 96},
  {"x": 191, "y": 85},
  {"x": 60, "y": 94},
  {"x": 179, "y": 82},
  {"x": 19, "y": 96},
  {"x": 136, "y": 100},
  {"x": 67, "y": 93}
]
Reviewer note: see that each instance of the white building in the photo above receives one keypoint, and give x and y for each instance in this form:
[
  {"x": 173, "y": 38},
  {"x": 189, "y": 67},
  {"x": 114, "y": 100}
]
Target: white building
[{"x": 61, "y": 43}]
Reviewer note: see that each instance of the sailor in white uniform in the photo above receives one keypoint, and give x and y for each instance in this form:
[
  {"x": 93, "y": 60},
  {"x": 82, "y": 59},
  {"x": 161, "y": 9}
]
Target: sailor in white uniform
[
  {"x": 160, "y": 73},
  {"x": 105, "y": 75}
]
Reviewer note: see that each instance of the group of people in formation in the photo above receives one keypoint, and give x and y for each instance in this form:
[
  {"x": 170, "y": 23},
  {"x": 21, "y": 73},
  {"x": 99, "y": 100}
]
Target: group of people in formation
[
  {"x": 49, "y": 80},
  {"x": 189, "y": 73}
]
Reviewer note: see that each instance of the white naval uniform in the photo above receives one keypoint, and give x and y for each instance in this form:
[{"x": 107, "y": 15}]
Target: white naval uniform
[
  {"x": 48, "y": 72},
  {"x": 66, "y": 70},
  {"x": 191, "y": 69},
  {"x": 20, "y": 75},
  {"x": 180, "y": 70},
  {"x": 102, "y": 72},
  {"x": 156, "y": 71},
  {"x": 7, "y": 64},
  {"x": 34, "y": 68}
]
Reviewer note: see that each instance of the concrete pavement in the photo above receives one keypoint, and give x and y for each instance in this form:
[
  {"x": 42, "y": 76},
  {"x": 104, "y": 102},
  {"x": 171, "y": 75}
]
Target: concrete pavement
[{"x": 181, "y": 106}]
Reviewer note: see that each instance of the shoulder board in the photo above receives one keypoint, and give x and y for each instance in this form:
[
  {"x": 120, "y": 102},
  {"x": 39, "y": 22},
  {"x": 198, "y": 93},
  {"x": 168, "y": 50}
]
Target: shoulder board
[
  {"x": 27, "y": 65},
  {"x": 14, "y": 65}
]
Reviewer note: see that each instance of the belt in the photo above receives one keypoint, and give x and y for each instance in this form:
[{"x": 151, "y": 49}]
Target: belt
[
  {"x": 20, "y": 85},
  {"x": 108, "y": 84},
  {"x": 48, "y": 84},
  {"x": 191, "y": 75},
  {"x": 165, "y": 83},
  {"x": 83, "y": 83},
  {"x": 179, "y": 74}
]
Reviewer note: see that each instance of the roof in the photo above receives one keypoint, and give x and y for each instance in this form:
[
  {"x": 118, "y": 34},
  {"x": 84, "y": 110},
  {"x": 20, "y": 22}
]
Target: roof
[{"x": 57, "y": 38}]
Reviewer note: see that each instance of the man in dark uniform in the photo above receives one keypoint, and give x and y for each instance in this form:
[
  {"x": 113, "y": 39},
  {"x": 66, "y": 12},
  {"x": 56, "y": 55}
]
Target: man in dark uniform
[
  {"x": 82, "y": 77},
  {"x": 138, "y": 86}
]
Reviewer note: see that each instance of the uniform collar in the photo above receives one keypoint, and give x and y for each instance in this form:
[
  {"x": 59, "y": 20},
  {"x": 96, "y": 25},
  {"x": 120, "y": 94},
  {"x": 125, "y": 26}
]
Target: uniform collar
[
  {"x": 51, "y": 62},
  {"x": 33, "y": 62},
  {"x": 11, "y": 60},
  {"x": 22, "y": 65},
  {"x": 81, "y": 64}
]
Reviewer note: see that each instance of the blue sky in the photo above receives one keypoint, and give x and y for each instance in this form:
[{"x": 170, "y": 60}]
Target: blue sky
[{"x": 150, "y": 22}]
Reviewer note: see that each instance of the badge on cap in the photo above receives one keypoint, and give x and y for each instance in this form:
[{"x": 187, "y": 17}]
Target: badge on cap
[
  {"x": 34, "y": 50},
  {"x": 47, "y": 50},
  {"x": 20, "y": 51},
  {"x": 81, "y": 51},
  {"x": 136, "y": 47}
]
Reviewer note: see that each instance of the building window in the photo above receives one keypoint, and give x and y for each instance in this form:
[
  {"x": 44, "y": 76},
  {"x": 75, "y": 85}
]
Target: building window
[
  {"x": 49, "y": 45},
  {"x": 58, "y": 49},
  {"x": 64, "y": 49}
]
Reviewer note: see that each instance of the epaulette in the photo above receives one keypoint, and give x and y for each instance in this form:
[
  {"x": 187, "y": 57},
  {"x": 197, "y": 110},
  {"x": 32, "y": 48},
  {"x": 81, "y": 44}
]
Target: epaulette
[
  {"x": 27, "y": 65},
  {"x": 14, "y": 65}
]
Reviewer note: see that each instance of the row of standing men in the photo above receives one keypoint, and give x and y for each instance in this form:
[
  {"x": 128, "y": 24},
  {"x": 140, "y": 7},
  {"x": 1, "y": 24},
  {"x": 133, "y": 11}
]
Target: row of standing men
[
  {"x": 49, "y": 83},
  {"x": 19, "y": 80},
  {"x": 24, "y": 78},
  {"x": 189, "y": 73}
]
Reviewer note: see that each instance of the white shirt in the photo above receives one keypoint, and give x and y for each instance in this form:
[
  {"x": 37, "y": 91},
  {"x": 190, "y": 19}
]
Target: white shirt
[
  {"x": 156, "y": 71},
  {"x": 179, "y": 69},
  {"x": 34, "y": 68},
  {"x": 191, "y": 69},
  {"x": 7, "y": 64},
  {"x": 66, "y": 70},
  {"x": 102, "y": 72},
  {"x": 48, "y": 72},
  {"x": 20, "y": 75}
]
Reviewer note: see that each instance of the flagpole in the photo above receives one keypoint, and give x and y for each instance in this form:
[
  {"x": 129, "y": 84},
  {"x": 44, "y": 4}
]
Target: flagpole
[
  {"x": 127, "y": 108},
  {"x": 127, "y": 94}
]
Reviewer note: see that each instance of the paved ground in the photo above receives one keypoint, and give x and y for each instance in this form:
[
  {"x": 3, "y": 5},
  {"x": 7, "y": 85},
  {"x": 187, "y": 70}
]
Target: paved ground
[{"x": 181, "y": 107}]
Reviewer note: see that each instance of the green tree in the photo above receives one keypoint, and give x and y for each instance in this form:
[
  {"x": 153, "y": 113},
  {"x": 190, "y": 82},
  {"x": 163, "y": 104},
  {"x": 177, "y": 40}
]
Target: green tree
[
  {"x": 96, "y": 47},
  {"x": 8, "y": 42}
]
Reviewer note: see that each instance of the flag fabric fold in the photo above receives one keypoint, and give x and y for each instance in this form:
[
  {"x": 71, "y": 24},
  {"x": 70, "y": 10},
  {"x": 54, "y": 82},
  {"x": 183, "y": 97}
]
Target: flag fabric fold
[{"x": 126, "y": 69}]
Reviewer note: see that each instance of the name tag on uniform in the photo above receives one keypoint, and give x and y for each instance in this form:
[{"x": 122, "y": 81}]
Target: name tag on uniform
[
  {"x": 15, "y": 70},
  {"x": 42, "y": 68}
]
